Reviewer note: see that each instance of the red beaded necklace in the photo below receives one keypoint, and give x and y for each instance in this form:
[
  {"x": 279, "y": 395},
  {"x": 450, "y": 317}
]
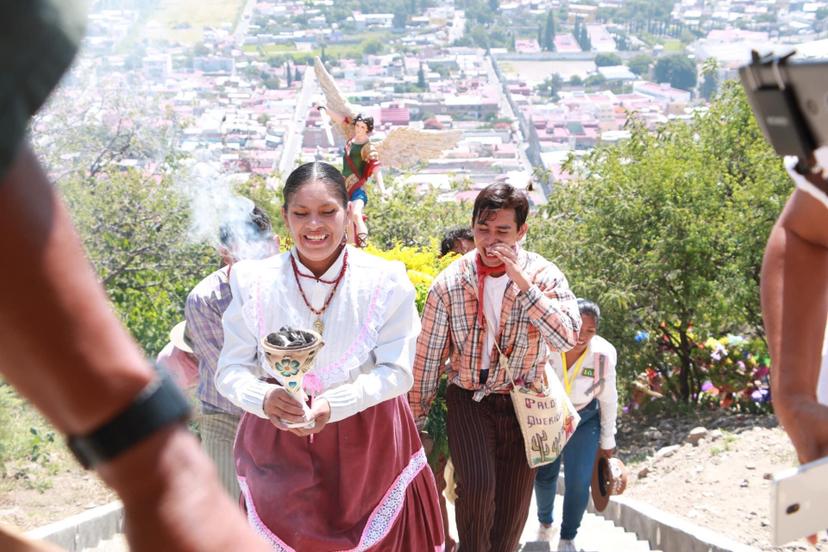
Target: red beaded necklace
[{"x": 318, "y": 326}]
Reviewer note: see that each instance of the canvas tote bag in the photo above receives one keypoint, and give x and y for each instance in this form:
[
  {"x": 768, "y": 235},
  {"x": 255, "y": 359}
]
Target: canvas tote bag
[{"x": 547, "y": 417}]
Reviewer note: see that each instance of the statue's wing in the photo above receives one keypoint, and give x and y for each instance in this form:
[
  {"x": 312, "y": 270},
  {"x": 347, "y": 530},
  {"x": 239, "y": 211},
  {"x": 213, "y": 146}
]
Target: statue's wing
[
  {"x": 405, "y": 146},
  {"x": 334, "y": 99}
]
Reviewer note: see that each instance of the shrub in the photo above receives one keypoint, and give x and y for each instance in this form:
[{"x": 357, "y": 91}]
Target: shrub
[
  {"x": 423, "y": 264},
  {"x": 733, "y": 373}
]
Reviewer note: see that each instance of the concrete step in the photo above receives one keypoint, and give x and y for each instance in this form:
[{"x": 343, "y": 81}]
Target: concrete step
[
  {"x": 596, "y": 534},
  {"x": 116, "y": 544}
]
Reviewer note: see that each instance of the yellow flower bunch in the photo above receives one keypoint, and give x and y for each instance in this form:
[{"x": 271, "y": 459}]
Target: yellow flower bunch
[
  {"x": 418, "y": 277},
  {"x": 422, "y": 264},
  {"x": 425, "y": 260}
]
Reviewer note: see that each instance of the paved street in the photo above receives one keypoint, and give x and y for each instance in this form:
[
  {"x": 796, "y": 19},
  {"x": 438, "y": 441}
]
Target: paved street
[{"x": 240, "y": 32}]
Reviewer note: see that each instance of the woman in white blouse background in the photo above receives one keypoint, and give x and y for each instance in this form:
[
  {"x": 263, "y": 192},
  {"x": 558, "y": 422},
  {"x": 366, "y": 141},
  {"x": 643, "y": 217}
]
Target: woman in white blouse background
[
  {"x": 588, "y": 374},
  {"x": 356, "y": 480}
]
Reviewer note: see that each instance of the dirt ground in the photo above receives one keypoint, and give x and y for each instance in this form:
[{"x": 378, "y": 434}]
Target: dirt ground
[
  {"x": 33, "y": 494},
  {"x": 723, "y": 483}
]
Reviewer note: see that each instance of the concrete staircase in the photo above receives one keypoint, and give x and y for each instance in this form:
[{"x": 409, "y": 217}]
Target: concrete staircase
[
  {"x": 595, "y": 535},
  {"x": 117, "y": 543}
]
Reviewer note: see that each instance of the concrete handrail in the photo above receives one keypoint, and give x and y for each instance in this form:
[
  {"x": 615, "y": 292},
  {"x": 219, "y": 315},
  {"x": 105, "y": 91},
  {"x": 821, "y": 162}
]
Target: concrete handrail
[{"x": 84, "y": 530}]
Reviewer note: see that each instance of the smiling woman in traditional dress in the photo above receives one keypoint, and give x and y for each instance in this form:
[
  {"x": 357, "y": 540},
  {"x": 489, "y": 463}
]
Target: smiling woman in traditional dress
[{"x": 358, "y": 479}]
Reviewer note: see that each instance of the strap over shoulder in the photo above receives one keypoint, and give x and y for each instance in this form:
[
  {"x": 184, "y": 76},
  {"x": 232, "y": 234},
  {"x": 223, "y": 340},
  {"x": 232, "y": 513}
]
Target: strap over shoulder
[{"x": 599, "y": 372}]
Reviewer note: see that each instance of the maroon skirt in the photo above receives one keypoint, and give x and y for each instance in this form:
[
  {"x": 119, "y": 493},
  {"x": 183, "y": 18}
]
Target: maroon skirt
[{"x": 363, "y": 483}]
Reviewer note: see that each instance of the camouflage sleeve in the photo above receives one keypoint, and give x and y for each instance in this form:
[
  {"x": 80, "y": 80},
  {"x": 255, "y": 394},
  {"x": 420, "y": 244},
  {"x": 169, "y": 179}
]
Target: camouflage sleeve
[{"x": 38, "y": 40}]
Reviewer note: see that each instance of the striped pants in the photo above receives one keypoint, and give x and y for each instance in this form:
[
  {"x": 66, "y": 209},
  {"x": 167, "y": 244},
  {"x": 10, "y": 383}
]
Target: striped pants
[
  {"x": 218, "y": 433},
  {"x": 494, "y": 481}
]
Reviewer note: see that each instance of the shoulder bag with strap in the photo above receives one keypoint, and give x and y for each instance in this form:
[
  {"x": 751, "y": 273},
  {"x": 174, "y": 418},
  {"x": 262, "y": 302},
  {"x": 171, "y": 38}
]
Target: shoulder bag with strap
[{"x": 547, "y": 418}]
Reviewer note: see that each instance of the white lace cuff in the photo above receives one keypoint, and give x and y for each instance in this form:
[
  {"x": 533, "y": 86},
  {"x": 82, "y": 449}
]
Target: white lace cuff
[
  {"x": 343, "y": 400},
  {"x": 252, "y": 397}
]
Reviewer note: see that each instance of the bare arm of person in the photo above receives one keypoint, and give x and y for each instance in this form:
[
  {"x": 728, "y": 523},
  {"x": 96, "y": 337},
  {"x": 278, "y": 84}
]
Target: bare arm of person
[
  {"x": 794, "y": 290},
  {"x": 340, "y": 120},
  {"x": 337, "y": 118},
  {"x": 380, "y": 181},
  {"x": 67, "y": 352}
]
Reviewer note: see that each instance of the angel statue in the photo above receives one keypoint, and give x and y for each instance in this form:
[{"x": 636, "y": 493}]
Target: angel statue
[{"x": 402, "y": 148}]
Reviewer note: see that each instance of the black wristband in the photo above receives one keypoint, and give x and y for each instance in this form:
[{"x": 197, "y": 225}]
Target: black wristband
[{"x": 158, "y": 405}]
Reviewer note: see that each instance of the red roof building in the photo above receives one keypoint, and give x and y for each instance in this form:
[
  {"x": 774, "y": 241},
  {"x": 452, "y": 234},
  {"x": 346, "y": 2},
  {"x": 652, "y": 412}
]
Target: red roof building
[{"x": 395, "y": 116}]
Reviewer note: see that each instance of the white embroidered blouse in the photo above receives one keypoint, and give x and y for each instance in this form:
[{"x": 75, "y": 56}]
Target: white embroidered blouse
[
  {"x": 591, "y": 383},
  {"x": 370, "y": 331}
]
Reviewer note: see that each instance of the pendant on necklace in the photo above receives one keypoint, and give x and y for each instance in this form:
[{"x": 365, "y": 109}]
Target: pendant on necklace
[{"x": 318, "y": 326}]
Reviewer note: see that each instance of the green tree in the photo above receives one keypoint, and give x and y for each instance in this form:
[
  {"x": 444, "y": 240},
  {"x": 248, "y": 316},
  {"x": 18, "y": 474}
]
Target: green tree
[
  {"x": 640, "y": 64},
  {"x": 576, "y": 30},
  {"x": 477, "y": 11},
  {"x": 479, "y": 36},
  {"x": 372, "y": 46},
  {"x": 135, "y": 230},
  {"x": 643, "y": 15},
  {"x": 622, "y": 41},
  {"x": 671, "y": 228},
  {"x": 563, "y": 11},
  {"x": 421, "y": 79},
  {"x": 710, "y": 84},
  {"x": 400, "y": 19},
  {"x": 549, "y": 32},
  {"x": 550, "y": 86},
  {"x": 251, "y": 72},
  {"x": 200, "y": 50},
  {"x": 606, "y": 60},
  {"x": 409, "y": 217},
  {"x": 676, "y": 69},
  {"x": 581, "y": 35},
  {"x": 595, "y": 81}
]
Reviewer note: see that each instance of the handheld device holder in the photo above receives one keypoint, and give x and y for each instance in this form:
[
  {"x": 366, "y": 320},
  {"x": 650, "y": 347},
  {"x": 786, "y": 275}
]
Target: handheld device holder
[{"x": 773, "y": 99}]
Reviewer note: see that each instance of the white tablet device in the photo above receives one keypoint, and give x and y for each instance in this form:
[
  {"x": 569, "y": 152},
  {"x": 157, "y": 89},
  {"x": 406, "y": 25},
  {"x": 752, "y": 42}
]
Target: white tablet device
[{"x": 799, "y": 502}]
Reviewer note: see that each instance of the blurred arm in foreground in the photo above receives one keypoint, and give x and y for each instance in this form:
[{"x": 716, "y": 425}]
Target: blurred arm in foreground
[
  {"x": 66, "y": 351},
  {"x": 63, "y": 347},
  {"x": 794, "y": 306}
]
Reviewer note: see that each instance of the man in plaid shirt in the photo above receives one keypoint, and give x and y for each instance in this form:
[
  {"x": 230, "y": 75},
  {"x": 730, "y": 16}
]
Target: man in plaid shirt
[
  {"x": 497, "y": 298},
  {"x": 245, "y": 239}
]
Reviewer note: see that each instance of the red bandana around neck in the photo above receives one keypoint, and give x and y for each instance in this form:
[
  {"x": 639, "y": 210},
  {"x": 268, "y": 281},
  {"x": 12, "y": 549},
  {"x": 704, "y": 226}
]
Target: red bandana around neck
[{"x": 482, "y": 272}]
